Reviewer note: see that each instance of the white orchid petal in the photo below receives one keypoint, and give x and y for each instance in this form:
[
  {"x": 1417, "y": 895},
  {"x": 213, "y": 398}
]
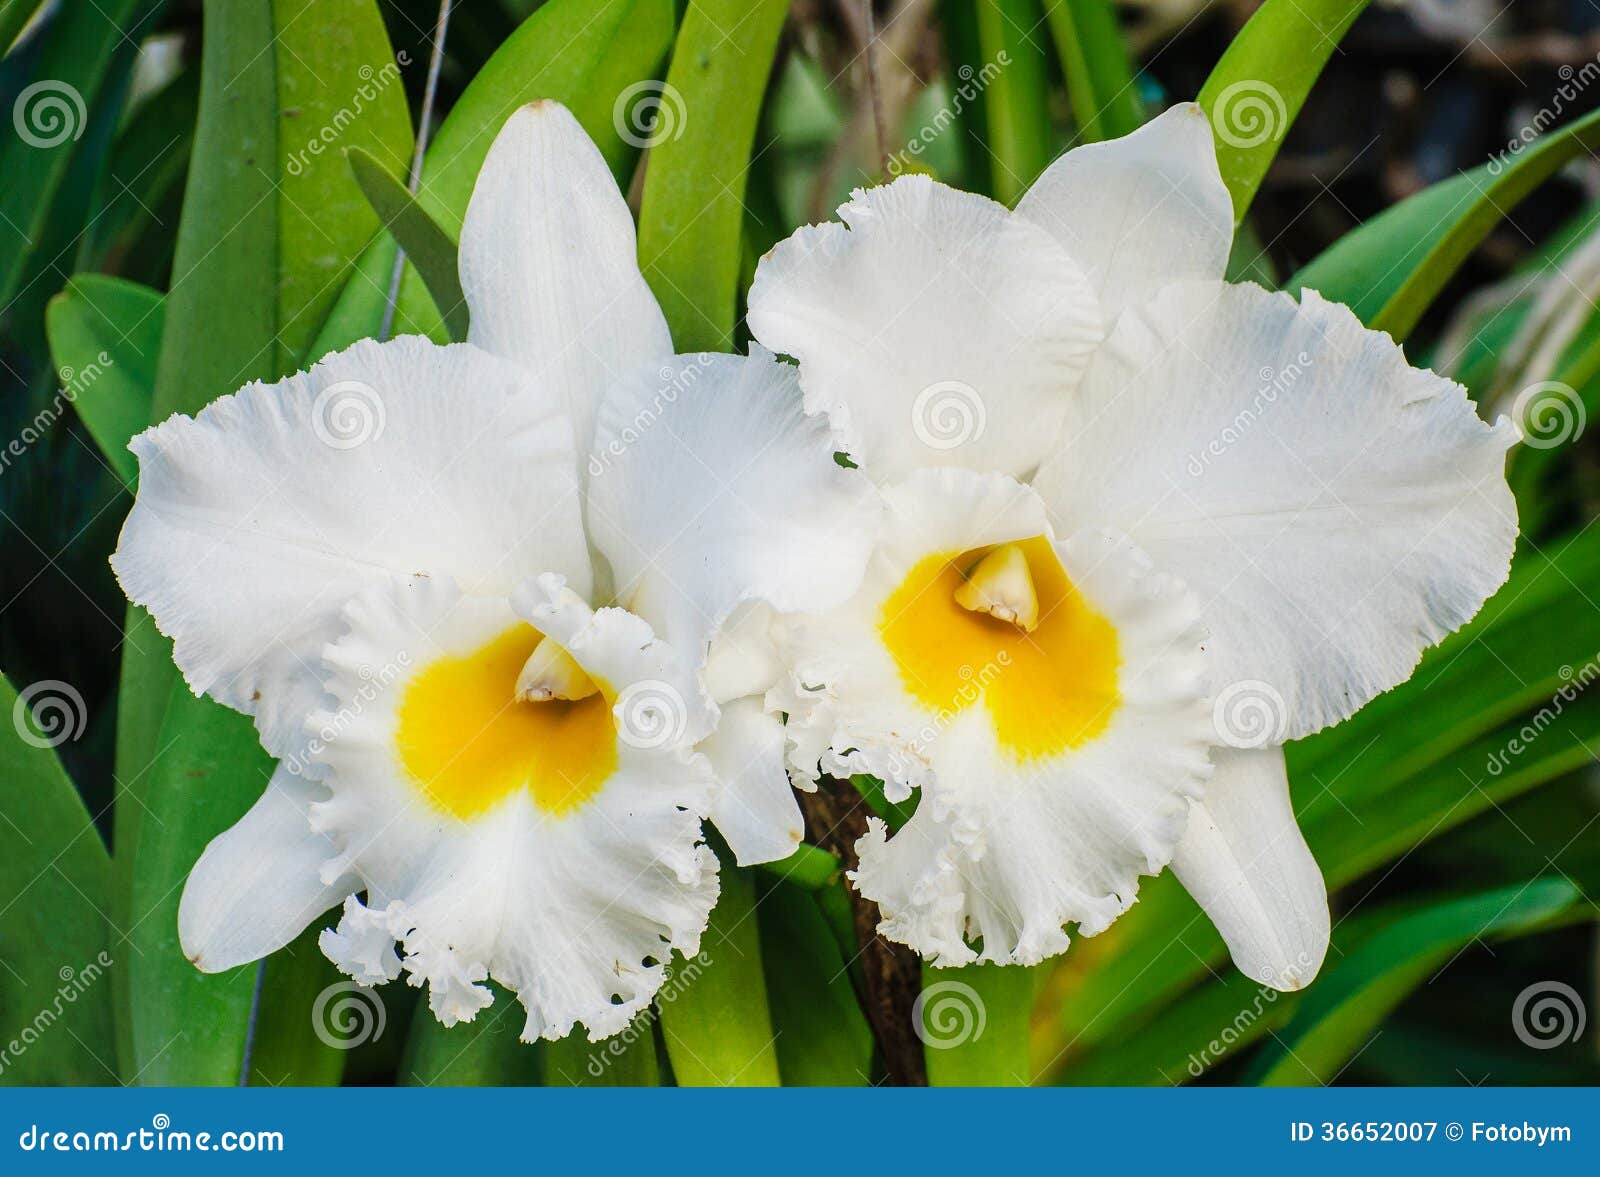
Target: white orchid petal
[
  {"x": 756, "y": 811},
  {"x": 1245, "y": 861},
  {"x": 1335, "y": 510}
]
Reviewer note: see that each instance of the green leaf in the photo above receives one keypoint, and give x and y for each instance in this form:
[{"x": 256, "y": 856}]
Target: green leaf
[
  {"x": 973, "y": 1022},
  {"x": 1391, "y": 269},
  {"x": 1258, "y": 87},
  {"x": 309, "y": 1018},
  {"x": 1017, "y": 101},
  {"x": 189, "y": 1027},
  {"x": 691, "y": 215},
  {"x": 581, "y": 53},
  {"x": 1341, "y": 1012},
  {"x": 716, "y": 1026},
  {"x": 823, "y": 1039},
  {"x": 72, "y": 78},
  {"x": 809, "y": 867},
  {"x": 485, "y": 1052},
  {"x": 427, "y": 246},
  {"x": 55, "y": 998},
  {"x": 627, "y": 1059},
  {"x": 105, "y": 337},
  {"x": 1099, "y": 72},
  {"x": 14, "y": 14}
]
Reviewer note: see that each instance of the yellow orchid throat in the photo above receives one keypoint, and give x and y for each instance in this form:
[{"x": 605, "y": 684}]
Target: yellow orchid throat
[
  {"x": 468, "y": 741},
  {"x": 1004, "y": 628}
]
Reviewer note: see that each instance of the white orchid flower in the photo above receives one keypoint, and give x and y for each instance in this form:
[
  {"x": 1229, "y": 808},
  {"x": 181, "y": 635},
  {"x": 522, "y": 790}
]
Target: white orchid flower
[
  {"x": 390, "y": 562},
  {"x": 1134, "y": 512}
]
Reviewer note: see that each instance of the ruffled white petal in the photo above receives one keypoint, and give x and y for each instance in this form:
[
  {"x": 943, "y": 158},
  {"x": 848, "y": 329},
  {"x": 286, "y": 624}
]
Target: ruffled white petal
[
  {"x": 1141, "y": 211},
  {"x": 939, "y": 329},
  {"x": 1005, "y": 850},
  {"x": 709, "y": 487},
  {"x": 576, "y": 911},
  {"x": 755, "y": 811},
  {"x": 260, "y": 882},
  {"x": 1335, "y": 510},
  {"x": 1245, "y": 861},
  {"x": 258, "y": 519},
  {"x": 549, "y": 264}
]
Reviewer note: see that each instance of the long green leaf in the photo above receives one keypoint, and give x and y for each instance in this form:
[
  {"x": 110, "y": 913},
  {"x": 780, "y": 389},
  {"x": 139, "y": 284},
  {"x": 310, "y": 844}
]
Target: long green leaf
[
  {"x": 717, "y": 1027},
  {"x": 55, "y": 998},
  {"x": 1339, "y": 1015},
  {"x": 823, "y": 1039},
  {"x": 581, "y": 53},
  {"x": 485, "y": 1052},
  {"x": 14, "y": 15},
  {"x": 1258, "y": 87},
  {"x": 427, "y": 246},
  {"x": 1011, "y": 35},
  {"x": 627, "y": 1059},
  {"x": 105, "y": 338},
  {"x": 692, "y": 212},
  {"x": 310, "y": 1017},
  {"x": 1098, "y": 69},
  {"x": 73, "y": 77},
  {"x": 973, "y": 1023},
  {"x": 1391, "y": 269}
]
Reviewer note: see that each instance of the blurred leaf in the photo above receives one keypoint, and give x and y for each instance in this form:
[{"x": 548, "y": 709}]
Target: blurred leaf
[
  {"x": 74, "y": 76},
  {"x": 968, "y": 120},
  {"x": 55, "y": 1004},
  {"x": 485, "y": 1052},
  {"x": 310, "y": 1016},
  {"x": 1017, "y": 100},
  {"x": 1391, "y": 268},
  {"x": 1099, "y": 72},
  {"x": 823, "y": 1039},
  {"x": 692, "y": 212},
  {"x": 627, "y": 1059},
  {"x": 716, "y": 1027},
  {"x": 581, "y": 53},
  {"x": 14, "y": 14},
  {"x": 189, "y": 1027},
  {"x": 105, "y": 336},
  {"x": 1341, "y": 1012},
  {"x": 973, "y": 1022},
  {"x": 427, "y": 246},
  {"x": 1255, "y": 93}
]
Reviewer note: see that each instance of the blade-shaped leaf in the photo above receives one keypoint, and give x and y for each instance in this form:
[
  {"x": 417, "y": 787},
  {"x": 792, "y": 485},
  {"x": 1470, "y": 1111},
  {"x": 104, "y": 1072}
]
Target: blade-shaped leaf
[
  {"x": 823, "y": 1039},
  {"x": 105, "y": 337},
  {"x": 1017, "y": 101},
  {"x": 627, "y": 1059},
  {"x": 1258, "y": 87},
  {"x": 485, "y": 1052},
  {"x": 701, "y": 125},
  {"x": 427, "y": 246},
  {"x": 55, "y": 996},
  {"x": 1099, "y": 72},
  {"x": 973, "y": 1022}
]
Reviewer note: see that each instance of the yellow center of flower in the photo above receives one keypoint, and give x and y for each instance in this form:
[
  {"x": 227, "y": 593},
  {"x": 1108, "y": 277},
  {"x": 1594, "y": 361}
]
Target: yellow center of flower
[
  {"x": 468, "y": 742},
  {"x": 1004, "y": 628}
]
